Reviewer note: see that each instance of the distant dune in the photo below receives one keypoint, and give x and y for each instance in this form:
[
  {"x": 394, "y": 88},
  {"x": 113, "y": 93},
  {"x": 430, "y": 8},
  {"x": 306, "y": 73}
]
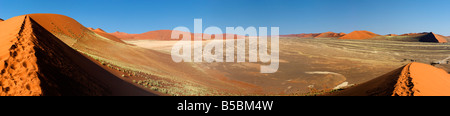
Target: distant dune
[
  {"x": 391, "y": 35},
  {"x": 162, "y": 35},
  {"x": 414, "y": 79},
  {"x": 431, "y": 37},
  {"x": 330, "y": 34},
  {"x": 415, "y": 37},
  {"x": 106, "y": 35},
  {"x": 124, "y": 61},
  {"x": 302, "y": 35},
  {"x": 315, "y": 35},
  {"x": 359, "y": 35}
]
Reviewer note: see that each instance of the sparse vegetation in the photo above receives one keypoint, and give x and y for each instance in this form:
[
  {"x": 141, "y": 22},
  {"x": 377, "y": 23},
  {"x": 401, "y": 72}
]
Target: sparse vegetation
[{"x": 156, "y": 82}]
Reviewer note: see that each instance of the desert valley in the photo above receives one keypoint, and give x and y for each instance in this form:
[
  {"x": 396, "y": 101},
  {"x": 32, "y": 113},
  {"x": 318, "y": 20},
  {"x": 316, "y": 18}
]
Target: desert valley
[{"x": 55, "y": 55}]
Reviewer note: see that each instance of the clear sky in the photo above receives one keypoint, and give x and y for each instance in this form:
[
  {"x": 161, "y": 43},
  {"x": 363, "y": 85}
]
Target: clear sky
[{"x": 292, "y": 16}]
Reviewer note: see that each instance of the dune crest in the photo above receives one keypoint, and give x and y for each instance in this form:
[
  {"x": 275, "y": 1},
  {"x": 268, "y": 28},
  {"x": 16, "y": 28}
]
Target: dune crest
[
  {"x": 413, "y": 79},
  {"x": 106, "y": 35},
  {"x": 330, "y": 34},
  {"x": 418, "y": 79},
  {"x": 431, "y": 37},
  {"x": 37, "y": 63},
  {"x": 165, "y": 35},
  {"x": 359, "y": 35},
  {"x": 391, "y": 35}
]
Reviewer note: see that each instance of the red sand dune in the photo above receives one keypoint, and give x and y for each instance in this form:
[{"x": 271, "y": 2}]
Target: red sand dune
[
  {"x": 161, "y": 35},
  {"x": 407, "y": 34},
  {"x": 35, "y": 62},
  {"x": 330, "y": 34},
  {"x": 391, "y": 35},
  {"x": 84, "y": 40},
  {"x": 414, "y": 79},
  {"x": 99, "y": 30},
  {"x": 302, "y": 35},
  {"x": 431, "y": 37},
  {"x": 359, "y": 35},
  {"x": 106, "y": 35},
  {"x": 315, "y": 35}
]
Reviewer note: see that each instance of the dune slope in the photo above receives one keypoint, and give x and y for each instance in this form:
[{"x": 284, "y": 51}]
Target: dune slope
[
  {"x": 359, "y": 35},
  {"x": 106, "y": 35},
  {"x": 165, "y": 35},
  {"x": 131, "y": 59},
  {"x": 330, "y": 34},
  {"x": 35, "y": 62},
  {"x": 414, "y": 79},
  {"x": 431, "y": 37}
]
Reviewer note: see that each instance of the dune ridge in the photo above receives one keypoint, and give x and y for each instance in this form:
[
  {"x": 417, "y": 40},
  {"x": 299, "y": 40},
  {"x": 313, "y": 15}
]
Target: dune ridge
[
  {"x": 106, "y": 35},
  {"x": 165, "y": 35},
  {"x": 413, "y": 79},
  {"x": 330, "y": 34},
  {"x": 431, "y": 37},
  {"x": 359, "y": 35},
  {"x": 156, "y": 65},
  {"x": 36, "y": 63}
]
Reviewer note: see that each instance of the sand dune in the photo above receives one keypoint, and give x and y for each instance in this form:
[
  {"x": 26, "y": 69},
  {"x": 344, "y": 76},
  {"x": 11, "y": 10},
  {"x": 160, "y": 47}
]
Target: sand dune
[
  {"x": 106, "y": 35},
  {"x": 302, "y": 35},
  {"x": 315, "y": 35},
  {"x": 415, "y": 37},
  {"x": 414, "y": 79},
  {"x": 359, "y": 35},
  {"x": 163, "y": 35},
  {"x": 35, "y": 62},
  {"x": 431, "y": 37},
  {"x": 391, "y": 35},
  {"x": 330, "y": 34},
  {"x": 49, "y": 54},
  {"x": 131, "y": 59}
]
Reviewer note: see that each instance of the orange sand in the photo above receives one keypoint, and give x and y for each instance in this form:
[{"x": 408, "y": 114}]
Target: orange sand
[
  {"x": 35, "y": 62},
  {"x": 391, "y": 35},
  {"x": 106, "y": 35},
  {"x": 302, "y": 35},
  {"x": 359, "y": 35},
  {"x": 330, "y": 34},
  {"x": 431, "y": 37},
  {"x": 163, "y": 35},
  {"x": 19, "y": 70},
  {"x": 414, "y": 79},
  {"x": 127, "y": 55},
  {"x": 422, "y": 80}
]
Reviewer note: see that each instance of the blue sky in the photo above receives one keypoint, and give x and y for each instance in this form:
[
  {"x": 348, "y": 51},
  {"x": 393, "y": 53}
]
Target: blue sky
[{"x": 292, "y": 16}]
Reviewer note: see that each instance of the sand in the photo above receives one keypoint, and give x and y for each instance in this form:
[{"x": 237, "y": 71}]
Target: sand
[
  {"x": 413, "y": 79},
  {"x": 431, "y": 37},
  {"x": 391, "y": 35},
  {"x": 158, "y": 66},
  {"x": 422, "y": 80},
  {"x": 359, "y": 35},
  {"x": 164, "y": 35},
  {"x": 36, "y": 63},
  {"x": 40, "y": 56},
  {"x": 19, "y": 70},
  {"x": 302, "y": 35},
  {"x": 106, "y": 35},
  {"x": 330, "y": 34}
]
